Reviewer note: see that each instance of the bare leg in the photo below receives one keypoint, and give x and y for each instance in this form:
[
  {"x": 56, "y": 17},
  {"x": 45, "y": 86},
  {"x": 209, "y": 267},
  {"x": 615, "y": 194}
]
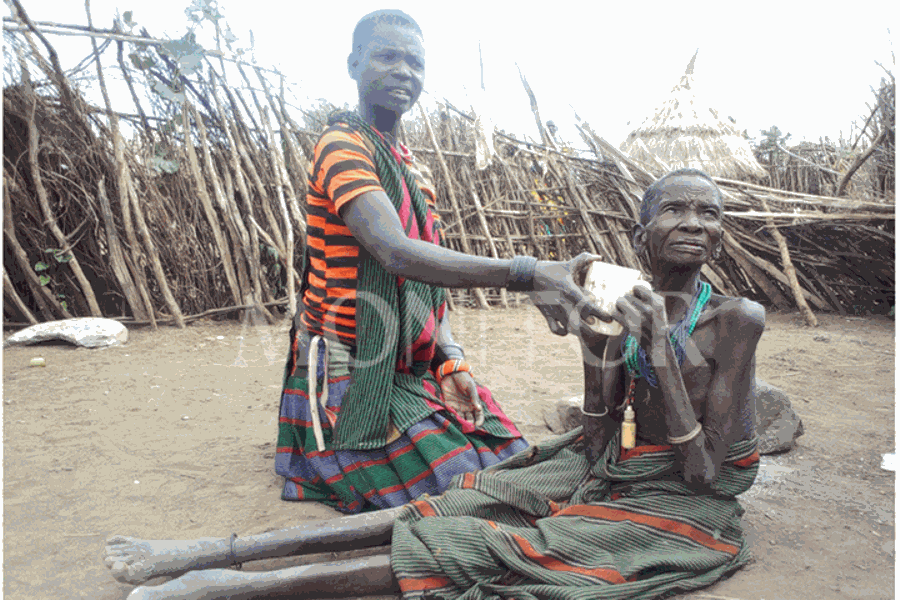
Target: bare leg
[
  {"x": 135, "y": 561},
  {"x": 347, "y": 578}
]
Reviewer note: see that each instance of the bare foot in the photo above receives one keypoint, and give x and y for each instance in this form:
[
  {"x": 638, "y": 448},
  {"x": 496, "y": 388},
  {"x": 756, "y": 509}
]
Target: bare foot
[
  {"x": 134, "y": 561},
  {"x": 199, "y": 585}
]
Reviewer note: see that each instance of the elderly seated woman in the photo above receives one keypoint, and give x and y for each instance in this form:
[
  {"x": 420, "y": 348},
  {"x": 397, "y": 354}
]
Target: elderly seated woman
[{"x": 601, "y": 512}]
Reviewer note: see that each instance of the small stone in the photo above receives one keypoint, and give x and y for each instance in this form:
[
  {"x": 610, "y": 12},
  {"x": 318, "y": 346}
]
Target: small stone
[
  {"x": 822, "y": 338},
  {"x": 37, "y": 361},
  {"x": 136, "y": 482},
  {"x": 185, "y": 418},
  {"x": 772, "y": 542},
  {"x": 220, "y": 337},
  {"x": 777, "y": 425}
]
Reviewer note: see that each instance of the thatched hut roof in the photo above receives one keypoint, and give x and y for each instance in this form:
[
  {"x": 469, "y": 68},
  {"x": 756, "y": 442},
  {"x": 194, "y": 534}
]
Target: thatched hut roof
[{"x": 686, "y": 132}]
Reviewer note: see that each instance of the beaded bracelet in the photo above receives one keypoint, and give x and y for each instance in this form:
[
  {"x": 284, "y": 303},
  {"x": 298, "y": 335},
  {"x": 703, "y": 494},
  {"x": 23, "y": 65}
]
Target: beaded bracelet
[
  {"x": 686, "y": 438},
  {"x": 448, "y": 367},
  {"x": 521, "y": 274}
]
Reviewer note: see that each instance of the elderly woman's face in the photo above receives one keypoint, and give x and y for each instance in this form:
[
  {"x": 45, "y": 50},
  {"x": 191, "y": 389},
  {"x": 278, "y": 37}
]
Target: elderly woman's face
[
  {"x": 390, "y": 68},
  {"x": 686, "y": 222}
]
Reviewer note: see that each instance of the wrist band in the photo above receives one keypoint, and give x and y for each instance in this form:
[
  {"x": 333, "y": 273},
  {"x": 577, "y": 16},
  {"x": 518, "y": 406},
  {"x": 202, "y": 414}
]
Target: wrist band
[
  {"x": 590, "y": 414},
  {"x": 686, "y": 438},
  {"x": 449, "y": 356},
  {"x": 448, "y": 367},
  {"x": 521, "y": 274}
]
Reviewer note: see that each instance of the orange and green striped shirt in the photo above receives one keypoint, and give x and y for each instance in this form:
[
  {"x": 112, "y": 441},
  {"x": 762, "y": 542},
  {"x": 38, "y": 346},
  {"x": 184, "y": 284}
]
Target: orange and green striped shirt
[{"x": 342, "y": 169}]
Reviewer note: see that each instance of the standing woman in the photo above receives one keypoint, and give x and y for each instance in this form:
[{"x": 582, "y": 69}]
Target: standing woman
[{"x": 399, "y": 413}]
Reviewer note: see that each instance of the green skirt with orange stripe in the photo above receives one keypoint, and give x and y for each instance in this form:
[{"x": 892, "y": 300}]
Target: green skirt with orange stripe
[{"x": 545, "y": 524}]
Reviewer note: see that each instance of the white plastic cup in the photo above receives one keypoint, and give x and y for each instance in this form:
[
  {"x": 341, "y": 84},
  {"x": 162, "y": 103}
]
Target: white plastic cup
[{"x": 606, "y": 283}]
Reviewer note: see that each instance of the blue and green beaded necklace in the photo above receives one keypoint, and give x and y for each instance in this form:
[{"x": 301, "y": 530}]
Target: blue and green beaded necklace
[{"x": 636, "y": 361}]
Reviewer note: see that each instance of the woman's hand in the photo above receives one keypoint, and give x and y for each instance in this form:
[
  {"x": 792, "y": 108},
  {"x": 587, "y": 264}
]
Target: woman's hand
[
  {"x": 642, "y": 313},
  {"x": 461, "y": 395},
  {"x": 560, "y": 299},
  {"x": 697, "y": 465}
]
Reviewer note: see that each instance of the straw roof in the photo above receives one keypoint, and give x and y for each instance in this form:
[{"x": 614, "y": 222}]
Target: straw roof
[{"x": 686, "y": 132}]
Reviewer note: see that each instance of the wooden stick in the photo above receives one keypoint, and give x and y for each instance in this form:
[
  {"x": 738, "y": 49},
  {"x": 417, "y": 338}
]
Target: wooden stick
[
  {"x": 166, "y": 319},
  {"x": 769, "y": 268},
  {"x": 10, "y": 291},
  {"x": 487, "y": 232},
  {"x": 280, "y": 177},
  {"x": 861, "y": 159},
  {"x": 790, "y": 271},
  {"x": 464, "y": 240},
  {"x": 128, "y": 81},
  {"x": 212, "y": 218},
  {"x": 152, "y": 253},
  {"x": 44, "y": 201},
  {"x": 755, "y": 274},
  {"x": 141, "y": 304},
  {"x": 252, "y": 252},
  {"x": 238, "y": 238},
  {"x": 299, "y": 163},
  {"x": 47, "y": 302},
  {"x": 117, "y": 257}
]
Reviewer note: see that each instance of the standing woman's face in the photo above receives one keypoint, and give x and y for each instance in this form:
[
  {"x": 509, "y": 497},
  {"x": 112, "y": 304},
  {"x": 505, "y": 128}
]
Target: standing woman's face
[{"x": 389, "y": 69}]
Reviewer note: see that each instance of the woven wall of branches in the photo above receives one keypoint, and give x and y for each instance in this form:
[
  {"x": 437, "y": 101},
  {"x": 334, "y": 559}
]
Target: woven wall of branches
[{"x": 200, "y": 209}]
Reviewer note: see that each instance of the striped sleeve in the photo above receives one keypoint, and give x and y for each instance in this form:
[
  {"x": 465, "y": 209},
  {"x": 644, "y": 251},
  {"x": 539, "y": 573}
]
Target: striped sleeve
[{"x": 343, "y": 167}]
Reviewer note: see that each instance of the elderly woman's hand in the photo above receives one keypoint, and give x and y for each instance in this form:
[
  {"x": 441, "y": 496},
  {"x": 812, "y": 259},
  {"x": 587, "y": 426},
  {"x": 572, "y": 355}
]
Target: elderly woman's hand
[{"x": 560, "y": 299}]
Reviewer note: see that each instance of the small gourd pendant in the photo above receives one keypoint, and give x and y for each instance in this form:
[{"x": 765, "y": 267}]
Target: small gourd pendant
[{"x": 629, "y": 429}]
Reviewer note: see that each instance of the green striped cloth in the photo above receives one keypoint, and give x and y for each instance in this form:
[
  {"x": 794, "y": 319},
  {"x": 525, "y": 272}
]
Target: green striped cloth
[
  {"x": 546, "y": 525},
  {"x": 389, "y": 320}
]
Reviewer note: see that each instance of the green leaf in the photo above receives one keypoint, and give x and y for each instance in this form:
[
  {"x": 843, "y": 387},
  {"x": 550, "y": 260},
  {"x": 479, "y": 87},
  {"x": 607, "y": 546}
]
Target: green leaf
[
  {"x": 64, "y": 305},
  {"x": 44, "y": 279},
  {"x": 141, "y": 62},
  {"x": 189, "y": 63},
  {"x": 159, "y": 163},
  {"x": 41, "y": 266},
  {"x": 62, "y": 258}
]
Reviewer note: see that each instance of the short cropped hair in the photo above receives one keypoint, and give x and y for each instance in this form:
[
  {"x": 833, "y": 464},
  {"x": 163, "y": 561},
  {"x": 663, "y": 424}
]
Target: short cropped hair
[
  {"x": 654, "y": 192},
  {"x": 366, "y": 25}
]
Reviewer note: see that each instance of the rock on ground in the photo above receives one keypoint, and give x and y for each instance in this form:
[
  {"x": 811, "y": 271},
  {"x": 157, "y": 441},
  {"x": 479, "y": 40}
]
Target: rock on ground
[
  {"x": 90, "y": 332},
  {"x": 777, "y": 425}
]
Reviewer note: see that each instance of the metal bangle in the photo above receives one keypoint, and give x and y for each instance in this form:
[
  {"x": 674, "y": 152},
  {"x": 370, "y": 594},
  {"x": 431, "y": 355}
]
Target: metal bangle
[
  {"x": 686, "y": 438},
  {"x": 521, "y": 274},
  {"x": 590, "y": 414},
  {"x": 445, "y": 347}
]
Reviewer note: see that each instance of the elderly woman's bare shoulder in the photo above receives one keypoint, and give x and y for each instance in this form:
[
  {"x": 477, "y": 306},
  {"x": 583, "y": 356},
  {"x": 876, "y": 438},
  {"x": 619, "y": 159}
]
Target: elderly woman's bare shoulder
[{"x": 747, "y": 315}]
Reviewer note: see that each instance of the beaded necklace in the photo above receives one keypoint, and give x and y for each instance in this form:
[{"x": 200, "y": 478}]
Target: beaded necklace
[{"x": 638, "y": 364}]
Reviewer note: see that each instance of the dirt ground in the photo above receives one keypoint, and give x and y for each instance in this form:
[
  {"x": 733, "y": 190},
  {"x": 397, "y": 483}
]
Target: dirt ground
[{"x": 172, "y": 436}]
